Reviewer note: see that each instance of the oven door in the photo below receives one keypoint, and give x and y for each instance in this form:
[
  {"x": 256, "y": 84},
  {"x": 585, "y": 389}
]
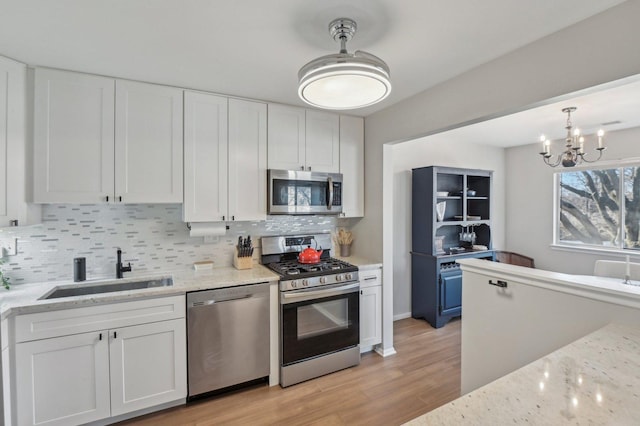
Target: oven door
[
  {"x": 316, "y": 321},
  {"x": 298, "y": 192}
]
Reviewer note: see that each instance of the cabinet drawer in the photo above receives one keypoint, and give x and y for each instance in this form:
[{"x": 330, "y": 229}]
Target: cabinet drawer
[
  {"x": 370, "y": 277},
  {"x": 44, "y": 325}
]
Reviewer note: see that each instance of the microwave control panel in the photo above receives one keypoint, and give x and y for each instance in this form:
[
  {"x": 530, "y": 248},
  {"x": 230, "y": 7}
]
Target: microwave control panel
[{"x": 337, "y": 194}]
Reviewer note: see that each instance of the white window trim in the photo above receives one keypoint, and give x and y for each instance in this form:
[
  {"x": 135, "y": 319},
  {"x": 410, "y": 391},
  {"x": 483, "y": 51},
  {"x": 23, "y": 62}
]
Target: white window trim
[
  {"x": 613, "y": 252},
  {"x": 556, "y": 244}
]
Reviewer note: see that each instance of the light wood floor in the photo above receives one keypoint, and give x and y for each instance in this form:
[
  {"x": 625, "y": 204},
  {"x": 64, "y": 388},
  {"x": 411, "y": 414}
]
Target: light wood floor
[{"x": 424, "y": 374}]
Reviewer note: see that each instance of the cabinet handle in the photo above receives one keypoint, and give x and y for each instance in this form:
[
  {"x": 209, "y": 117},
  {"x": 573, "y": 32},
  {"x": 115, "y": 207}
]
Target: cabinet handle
[
  {"x": 120, "y": 198},
  {"x": 370, "y": 278},
  {"x": 100, "y": 336},
  {"x": 107, "y": 198},
  {"x": 233, "y": 218},
  {"x": 115, "y": 334},
  {"x": 499, "y": 283},
  {"x": 223, "y": 218},
  {"x": 13, "y": 222},
  {"x": 361, "y": 292},
  {"x": 301, "y": 167},
  {"x": 309, "y": 168}
]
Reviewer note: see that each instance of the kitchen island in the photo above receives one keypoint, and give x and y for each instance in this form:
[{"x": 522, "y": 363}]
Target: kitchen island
[
  {"x": 514, "y": 315},
  {"x": 542, "y": 347},
  {"x": 594, "y": 380}
]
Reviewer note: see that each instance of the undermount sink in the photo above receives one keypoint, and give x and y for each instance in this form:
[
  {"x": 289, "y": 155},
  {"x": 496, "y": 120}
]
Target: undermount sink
[{"x": 106, "y": 287}]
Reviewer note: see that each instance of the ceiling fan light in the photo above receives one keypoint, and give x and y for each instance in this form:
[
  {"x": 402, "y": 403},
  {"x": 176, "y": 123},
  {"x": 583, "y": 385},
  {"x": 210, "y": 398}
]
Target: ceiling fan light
[
  {"x": 344, "y": 86},
  {"x": 343, "y": 80}
]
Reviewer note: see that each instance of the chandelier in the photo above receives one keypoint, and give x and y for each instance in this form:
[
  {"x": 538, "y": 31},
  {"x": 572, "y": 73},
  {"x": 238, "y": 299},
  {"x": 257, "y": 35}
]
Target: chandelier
[
  {"x": 574, "y": 149},
  {"x": 344, "y": 80}
]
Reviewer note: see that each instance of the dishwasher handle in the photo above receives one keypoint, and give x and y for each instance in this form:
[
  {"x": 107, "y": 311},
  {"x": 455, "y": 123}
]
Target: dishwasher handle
[{"x": 214, "y": 301}]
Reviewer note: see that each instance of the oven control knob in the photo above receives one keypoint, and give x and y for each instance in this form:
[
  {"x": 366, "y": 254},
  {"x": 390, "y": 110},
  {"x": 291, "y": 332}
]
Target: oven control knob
[
  {"x": 323, "y": 280},
  {"x": 339, "y": 277},
  {"x": 348, "y": 276},
  {"x": 294, "y": 283},
  {"x": 305, "y": 282}
]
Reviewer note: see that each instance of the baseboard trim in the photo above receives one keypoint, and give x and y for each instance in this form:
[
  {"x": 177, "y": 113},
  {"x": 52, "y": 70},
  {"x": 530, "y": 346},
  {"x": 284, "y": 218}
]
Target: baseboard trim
[
  {"x": 402, "y": 316},
  {"x": 385, "y": 352}
]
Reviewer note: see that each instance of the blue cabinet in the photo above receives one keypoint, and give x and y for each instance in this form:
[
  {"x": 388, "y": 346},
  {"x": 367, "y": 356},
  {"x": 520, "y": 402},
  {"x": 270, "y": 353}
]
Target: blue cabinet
[{"x": 451, "y": 220}]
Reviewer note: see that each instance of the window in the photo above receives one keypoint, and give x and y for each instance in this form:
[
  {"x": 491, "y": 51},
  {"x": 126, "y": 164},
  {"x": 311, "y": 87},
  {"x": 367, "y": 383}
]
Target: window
[{"x": 599, "y": 208}]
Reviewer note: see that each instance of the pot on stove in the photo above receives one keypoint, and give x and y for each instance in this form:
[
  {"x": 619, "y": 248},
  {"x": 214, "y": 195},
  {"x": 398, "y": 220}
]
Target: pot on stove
[{"x": 310, "y": 255}]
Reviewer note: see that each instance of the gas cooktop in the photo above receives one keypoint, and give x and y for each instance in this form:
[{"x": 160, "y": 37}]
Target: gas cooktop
[{"x": 290, "y": 269}]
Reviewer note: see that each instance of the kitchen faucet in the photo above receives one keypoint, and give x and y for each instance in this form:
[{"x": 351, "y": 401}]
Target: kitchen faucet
[{"x": 119, "y": 268}]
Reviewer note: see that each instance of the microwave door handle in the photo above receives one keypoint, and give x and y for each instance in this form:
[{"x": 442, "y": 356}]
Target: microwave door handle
[{"x": 330, "y": 202}]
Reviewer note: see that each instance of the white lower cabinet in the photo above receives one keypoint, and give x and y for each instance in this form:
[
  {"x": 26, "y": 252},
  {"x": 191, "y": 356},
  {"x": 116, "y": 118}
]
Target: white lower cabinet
[
  {"x": 147, "y": 365},
  {"x": 108, "y": 372},
  {"x": 370, "y": 308},
  {"x": 63, "y": 381}
]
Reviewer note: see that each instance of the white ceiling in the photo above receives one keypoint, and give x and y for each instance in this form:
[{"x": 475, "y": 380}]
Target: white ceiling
[
  {"x": 254, "y": 48},
  {"x": 614, "y": 106}
]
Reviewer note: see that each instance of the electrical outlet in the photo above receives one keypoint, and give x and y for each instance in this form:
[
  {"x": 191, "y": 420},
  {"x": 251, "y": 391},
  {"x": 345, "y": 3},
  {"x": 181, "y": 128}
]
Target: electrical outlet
[{"x": 9, "y": 246}]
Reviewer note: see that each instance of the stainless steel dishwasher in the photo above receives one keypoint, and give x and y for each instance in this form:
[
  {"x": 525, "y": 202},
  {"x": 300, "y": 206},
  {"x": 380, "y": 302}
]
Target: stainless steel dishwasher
[{"x": 227, "y": 337}]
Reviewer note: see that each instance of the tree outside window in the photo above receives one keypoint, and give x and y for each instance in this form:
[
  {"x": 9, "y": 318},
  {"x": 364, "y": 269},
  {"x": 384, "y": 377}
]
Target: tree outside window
[{"x": 594, "y": 203}]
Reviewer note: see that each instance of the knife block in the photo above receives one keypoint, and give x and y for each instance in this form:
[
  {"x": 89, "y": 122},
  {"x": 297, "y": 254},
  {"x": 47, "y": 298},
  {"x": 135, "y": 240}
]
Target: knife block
[{"x": 242, "y": 262}]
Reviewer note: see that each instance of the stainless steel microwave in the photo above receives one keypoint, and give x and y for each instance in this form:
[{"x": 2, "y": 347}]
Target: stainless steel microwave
[{"x": 302, "y": 192}]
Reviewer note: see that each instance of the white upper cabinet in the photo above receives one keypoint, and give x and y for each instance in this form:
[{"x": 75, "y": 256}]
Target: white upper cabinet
[
  {"x": 286, "y": 137},
  {"x": 247, "y": 160},
  {"x": 73, "y": 137},
  {"x": 302, "y": 139},
  {"x": 14, "y": 166},
  {"x": 322, "y": 142},
  {"x": 148, "y": 143},
  {"x": 352, "y": 165},
  {"x": 225, "y": 159},
  {"x": 205, "y": 155},
  {"x": 101, "y": 140}
]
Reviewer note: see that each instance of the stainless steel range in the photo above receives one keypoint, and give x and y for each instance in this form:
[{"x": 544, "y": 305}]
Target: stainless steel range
[{"x": 319, "y": 307}]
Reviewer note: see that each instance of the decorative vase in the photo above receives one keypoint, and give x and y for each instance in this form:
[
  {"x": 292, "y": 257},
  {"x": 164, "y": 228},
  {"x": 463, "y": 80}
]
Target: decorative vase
[
  {"x": 345, "y": 250},
  {"x": 440, "y": 209}
]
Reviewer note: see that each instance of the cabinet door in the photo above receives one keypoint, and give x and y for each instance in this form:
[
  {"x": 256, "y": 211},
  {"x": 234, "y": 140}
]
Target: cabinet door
[
  {"x": 12, "y": 142},
  {"x": 148, "y": 159},
  {"x": 370, "y": 316},
  {"x": 73, "y": 137},
  {"x": 148, "y": 365},
  {"x": 322, "y": 142},
  {"x": 286, "y": 137},
  {"x": 205, "y": 154},
  {"x": 63, "y": 381},
  {"x": 451, "y": 293},
  {"x": 247, "y": 160},
  {"x": 352, "y": 165}
]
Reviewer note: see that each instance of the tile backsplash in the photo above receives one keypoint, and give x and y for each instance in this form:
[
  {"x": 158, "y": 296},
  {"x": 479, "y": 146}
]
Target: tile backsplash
[{"x": 152, "y": 237}]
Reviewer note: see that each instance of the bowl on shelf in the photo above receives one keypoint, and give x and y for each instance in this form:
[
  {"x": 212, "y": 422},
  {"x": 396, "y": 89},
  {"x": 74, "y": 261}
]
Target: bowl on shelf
[
  {"x": 442, "y": 193},
  {"x": 471, "y": 193}
]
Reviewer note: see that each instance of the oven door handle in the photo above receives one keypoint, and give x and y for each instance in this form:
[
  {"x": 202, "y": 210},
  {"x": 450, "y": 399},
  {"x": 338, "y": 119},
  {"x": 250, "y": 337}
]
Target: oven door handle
[{"x": 298, "y": 296}]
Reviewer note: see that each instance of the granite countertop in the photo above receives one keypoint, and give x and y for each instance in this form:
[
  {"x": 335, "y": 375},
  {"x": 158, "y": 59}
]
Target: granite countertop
[
  {"x": 360, "y": 262},
  {"x": 23, "y": 299},
  {"x": 594, "y": 380}
]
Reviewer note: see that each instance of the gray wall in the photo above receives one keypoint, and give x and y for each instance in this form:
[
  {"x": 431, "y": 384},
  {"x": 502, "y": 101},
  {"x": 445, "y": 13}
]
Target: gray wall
[
  {"x": 529, "y": 195},
  {"x": 595, "y": 51}
]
